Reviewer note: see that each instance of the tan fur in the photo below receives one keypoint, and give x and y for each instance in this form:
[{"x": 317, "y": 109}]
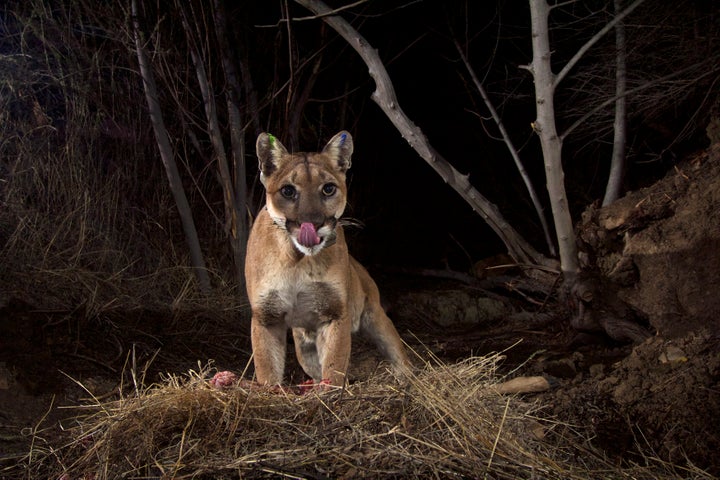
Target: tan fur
[{"x": 319, "y": 291}]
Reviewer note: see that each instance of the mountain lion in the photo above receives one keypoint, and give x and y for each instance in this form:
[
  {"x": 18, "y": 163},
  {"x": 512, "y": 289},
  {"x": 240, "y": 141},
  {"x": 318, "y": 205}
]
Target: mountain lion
[{"x": 299, "y": 273}]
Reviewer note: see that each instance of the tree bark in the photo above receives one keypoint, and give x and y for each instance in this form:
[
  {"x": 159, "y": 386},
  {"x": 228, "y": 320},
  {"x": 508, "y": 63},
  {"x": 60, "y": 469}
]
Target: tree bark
[
  {"x": 232, "y": 216},
  {"x": 239, "y": 223},
  {"x": 617, "y": 163},
  {"x": 550, "y": 141},
  {"x": 168, "y": 157},
  {"x": 384, "y": 96}
]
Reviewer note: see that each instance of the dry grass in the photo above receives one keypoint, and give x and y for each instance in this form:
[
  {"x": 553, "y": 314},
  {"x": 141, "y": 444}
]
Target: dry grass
[
  {"x": 87, "y": 221},
  {"x": 445, "y": 421}
]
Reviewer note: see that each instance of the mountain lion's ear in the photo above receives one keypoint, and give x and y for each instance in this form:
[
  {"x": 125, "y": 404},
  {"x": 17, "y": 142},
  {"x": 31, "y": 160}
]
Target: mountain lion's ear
[
  {"x": 269, "y": 152},
  {"x": 340, "y": 148}
]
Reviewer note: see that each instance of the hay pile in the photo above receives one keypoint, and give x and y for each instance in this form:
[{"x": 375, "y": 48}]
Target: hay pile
[{"x": 445, "y": 421}]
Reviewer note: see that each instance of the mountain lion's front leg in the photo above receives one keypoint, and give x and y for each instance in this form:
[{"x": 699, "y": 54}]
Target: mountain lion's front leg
[
  {"x": 268, "y": 345},
  {"x": 333, "y": 344}
]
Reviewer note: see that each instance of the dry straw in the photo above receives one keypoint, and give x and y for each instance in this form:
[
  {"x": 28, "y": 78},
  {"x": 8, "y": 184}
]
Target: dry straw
[{"x": 445, "y": 421}]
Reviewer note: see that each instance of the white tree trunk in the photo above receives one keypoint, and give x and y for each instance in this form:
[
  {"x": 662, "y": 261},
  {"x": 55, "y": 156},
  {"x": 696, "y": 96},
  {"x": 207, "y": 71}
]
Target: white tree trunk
[
  {"x": 551, "y": 143},
  {"x": 617, "y": 164}
]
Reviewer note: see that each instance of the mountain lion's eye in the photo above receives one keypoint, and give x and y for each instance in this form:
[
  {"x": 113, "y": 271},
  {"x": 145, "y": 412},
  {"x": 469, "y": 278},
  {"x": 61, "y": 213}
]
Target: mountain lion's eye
[
  {"x": 288, "y": 191},
  {"x": 329, "y": 189}
]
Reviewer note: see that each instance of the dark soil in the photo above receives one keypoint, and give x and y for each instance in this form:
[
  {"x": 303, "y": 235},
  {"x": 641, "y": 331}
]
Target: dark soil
[{"x": 660, "y": 398}]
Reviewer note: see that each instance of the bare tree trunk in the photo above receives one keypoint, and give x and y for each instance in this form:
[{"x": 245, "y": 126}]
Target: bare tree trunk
[
  {"x": 545, "y": 84},
  {"x": 385, "y": 97},
  {"x": 551, "y": 143},
  {"x": 232, "y": 216},
  {"x": 513, "y": 152},
  {"x": 239, "y": 224},
  {"x": 168, "y": 157},
  {"x": 591, "y": 310},
  {"x": 617, "y": 164}
]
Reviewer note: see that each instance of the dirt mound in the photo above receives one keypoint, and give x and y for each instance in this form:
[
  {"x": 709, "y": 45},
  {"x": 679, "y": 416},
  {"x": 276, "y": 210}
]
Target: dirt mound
[
  {"x": 660, "y": 247},
  {"x": 662, "y": 398}
]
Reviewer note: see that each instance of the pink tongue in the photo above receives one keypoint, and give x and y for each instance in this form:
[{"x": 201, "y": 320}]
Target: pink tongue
[{"x": 308, "y": 236}]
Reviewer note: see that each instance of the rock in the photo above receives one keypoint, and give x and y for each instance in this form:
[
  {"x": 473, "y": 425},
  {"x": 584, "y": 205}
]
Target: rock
[
  {"x": 673, "y": 354},
  {"x": 450, "y": 307}
]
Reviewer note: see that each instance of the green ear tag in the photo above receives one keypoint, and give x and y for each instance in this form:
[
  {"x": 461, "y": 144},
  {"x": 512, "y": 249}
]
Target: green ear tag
[{"x": 271, "y": 139}]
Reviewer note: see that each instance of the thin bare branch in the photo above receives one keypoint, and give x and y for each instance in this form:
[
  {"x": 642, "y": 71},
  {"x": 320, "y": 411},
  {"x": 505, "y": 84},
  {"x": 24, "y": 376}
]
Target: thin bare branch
[
  {"x": 315, "y": 17},
  {"x": 595, "y": 38},
  {"x": 511, "y": 148},
  {"x": 633, "y": 91}
]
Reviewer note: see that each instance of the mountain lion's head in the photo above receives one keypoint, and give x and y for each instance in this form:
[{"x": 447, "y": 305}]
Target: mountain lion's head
[{"x": 306, "y": 192}]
